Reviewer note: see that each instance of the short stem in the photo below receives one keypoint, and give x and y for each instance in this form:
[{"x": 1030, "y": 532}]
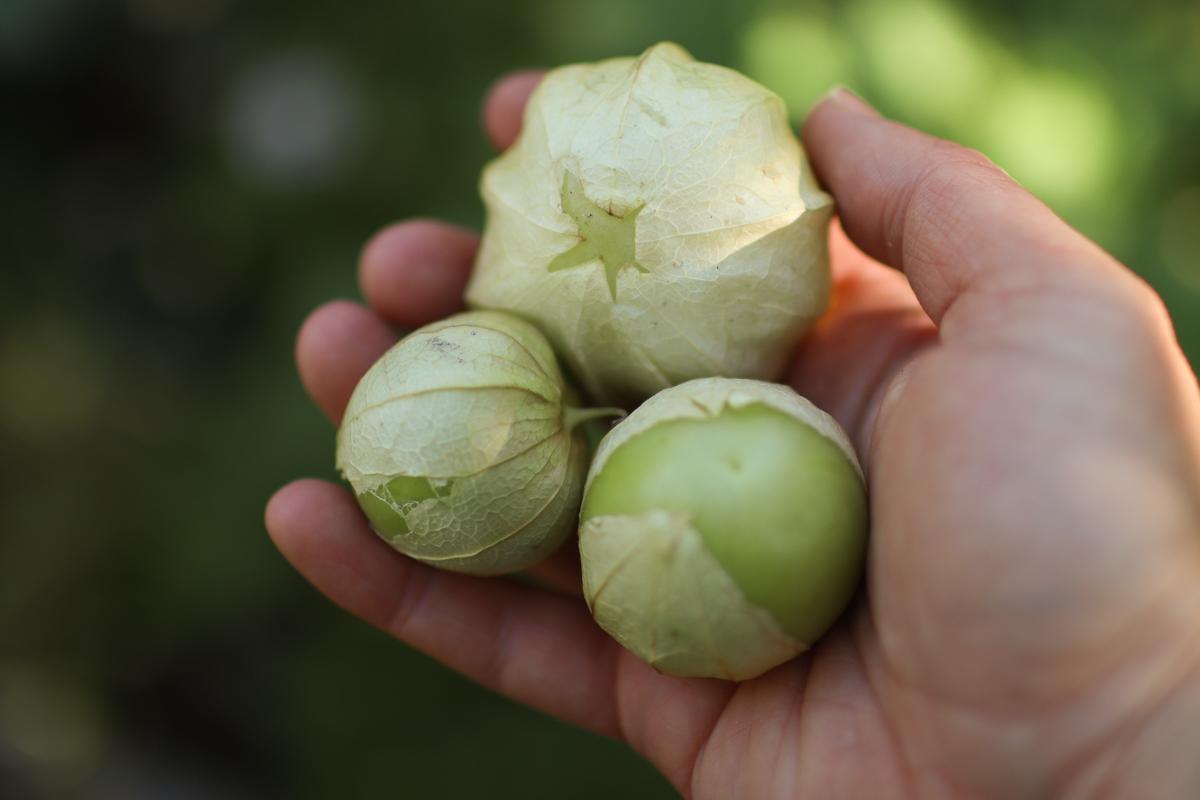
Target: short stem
[{"x": 574, "y": 416}]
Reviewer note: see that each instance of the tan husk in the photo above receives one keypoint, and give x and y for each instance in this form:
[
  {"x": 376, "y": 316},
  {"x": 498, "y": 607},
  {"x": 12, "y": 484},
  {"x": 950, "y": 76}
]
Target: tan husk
[
  {"x": 658, "y": 221},
  {"x": 474, "y": 406}
]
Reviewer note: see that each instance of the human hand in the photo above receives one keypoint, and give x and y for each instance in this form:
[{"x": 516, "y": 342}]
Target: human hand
[{"x": 1031, "y": 619}]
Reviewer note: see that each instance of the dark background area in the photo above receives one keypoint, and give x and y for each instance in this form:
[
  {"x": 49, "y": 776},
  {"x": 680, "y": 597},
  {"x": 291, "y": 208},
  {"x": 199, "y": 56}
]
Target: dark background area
[{"x": 182, "y": 180}]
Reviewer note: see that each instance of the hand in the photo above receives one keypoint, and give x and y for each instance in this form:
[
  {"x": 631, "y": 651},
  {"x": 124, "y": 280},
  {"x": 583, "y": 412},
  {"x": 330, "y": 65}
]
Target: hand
[{"x": 1031, "y": 619}]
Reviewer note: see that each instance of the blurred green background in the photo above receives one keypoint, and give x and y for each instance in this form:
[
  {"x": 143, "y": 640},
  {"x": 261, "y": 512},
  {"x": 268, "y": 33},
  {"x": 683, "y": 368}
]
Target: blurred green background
[{"x": 182, "y": 180}]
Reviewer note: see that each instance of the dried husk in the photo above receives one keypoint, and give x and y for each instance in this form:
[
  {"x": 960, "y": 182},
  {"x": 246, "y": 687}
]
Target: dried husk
[
  {"x": 456, "y": 446},
  {"x": 658, "y": 221}
]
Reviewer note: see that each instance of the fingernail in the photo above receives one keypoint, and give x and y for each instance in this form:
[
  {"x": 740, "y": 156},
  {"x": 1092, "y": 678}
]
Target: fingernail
[{"x": 846, "y": 99}]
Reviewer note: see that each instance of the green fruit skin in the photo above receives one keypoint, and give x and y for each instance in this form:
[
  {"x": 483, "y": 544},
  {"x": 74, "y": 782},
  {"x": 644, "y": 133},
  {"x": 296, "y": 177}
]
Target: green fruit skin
[{"x": 778, "y": 505}]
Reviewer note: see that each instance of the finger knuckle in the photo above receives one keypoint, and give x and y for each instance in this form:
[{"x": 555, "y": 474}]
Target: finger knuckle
[{"x": 938, "y": 192}]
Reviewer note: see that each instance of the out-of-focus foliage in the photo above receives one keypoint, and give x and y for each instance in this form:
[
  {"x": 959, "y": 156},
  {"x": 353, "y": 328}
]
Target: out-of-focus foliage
[{"x": 181, "y": 180}]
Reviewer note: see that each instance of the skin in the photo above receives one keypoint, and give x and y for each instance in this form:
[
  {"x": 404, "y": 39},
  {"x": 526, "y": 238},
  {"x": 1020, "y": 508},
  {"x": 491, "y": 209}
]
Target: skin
[{"x": 1030, "y": 622}]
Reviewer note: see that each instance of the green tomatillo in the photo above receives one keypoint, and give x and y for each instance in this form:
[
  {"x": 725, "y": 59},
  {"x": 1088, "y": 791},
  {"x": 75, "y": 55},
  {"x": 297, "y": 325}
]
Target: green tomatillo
[
  {"x": 462, "y": 447},
  {"x": 723, "y": 528},
  {"x": 657, "y": 219}
]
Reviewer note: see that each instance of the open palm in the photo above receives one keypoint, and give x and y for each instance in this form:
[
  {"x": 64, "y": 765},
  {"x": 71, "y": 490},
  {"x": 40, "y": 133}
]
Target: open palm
[{"x": 1030, "y": 625}]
